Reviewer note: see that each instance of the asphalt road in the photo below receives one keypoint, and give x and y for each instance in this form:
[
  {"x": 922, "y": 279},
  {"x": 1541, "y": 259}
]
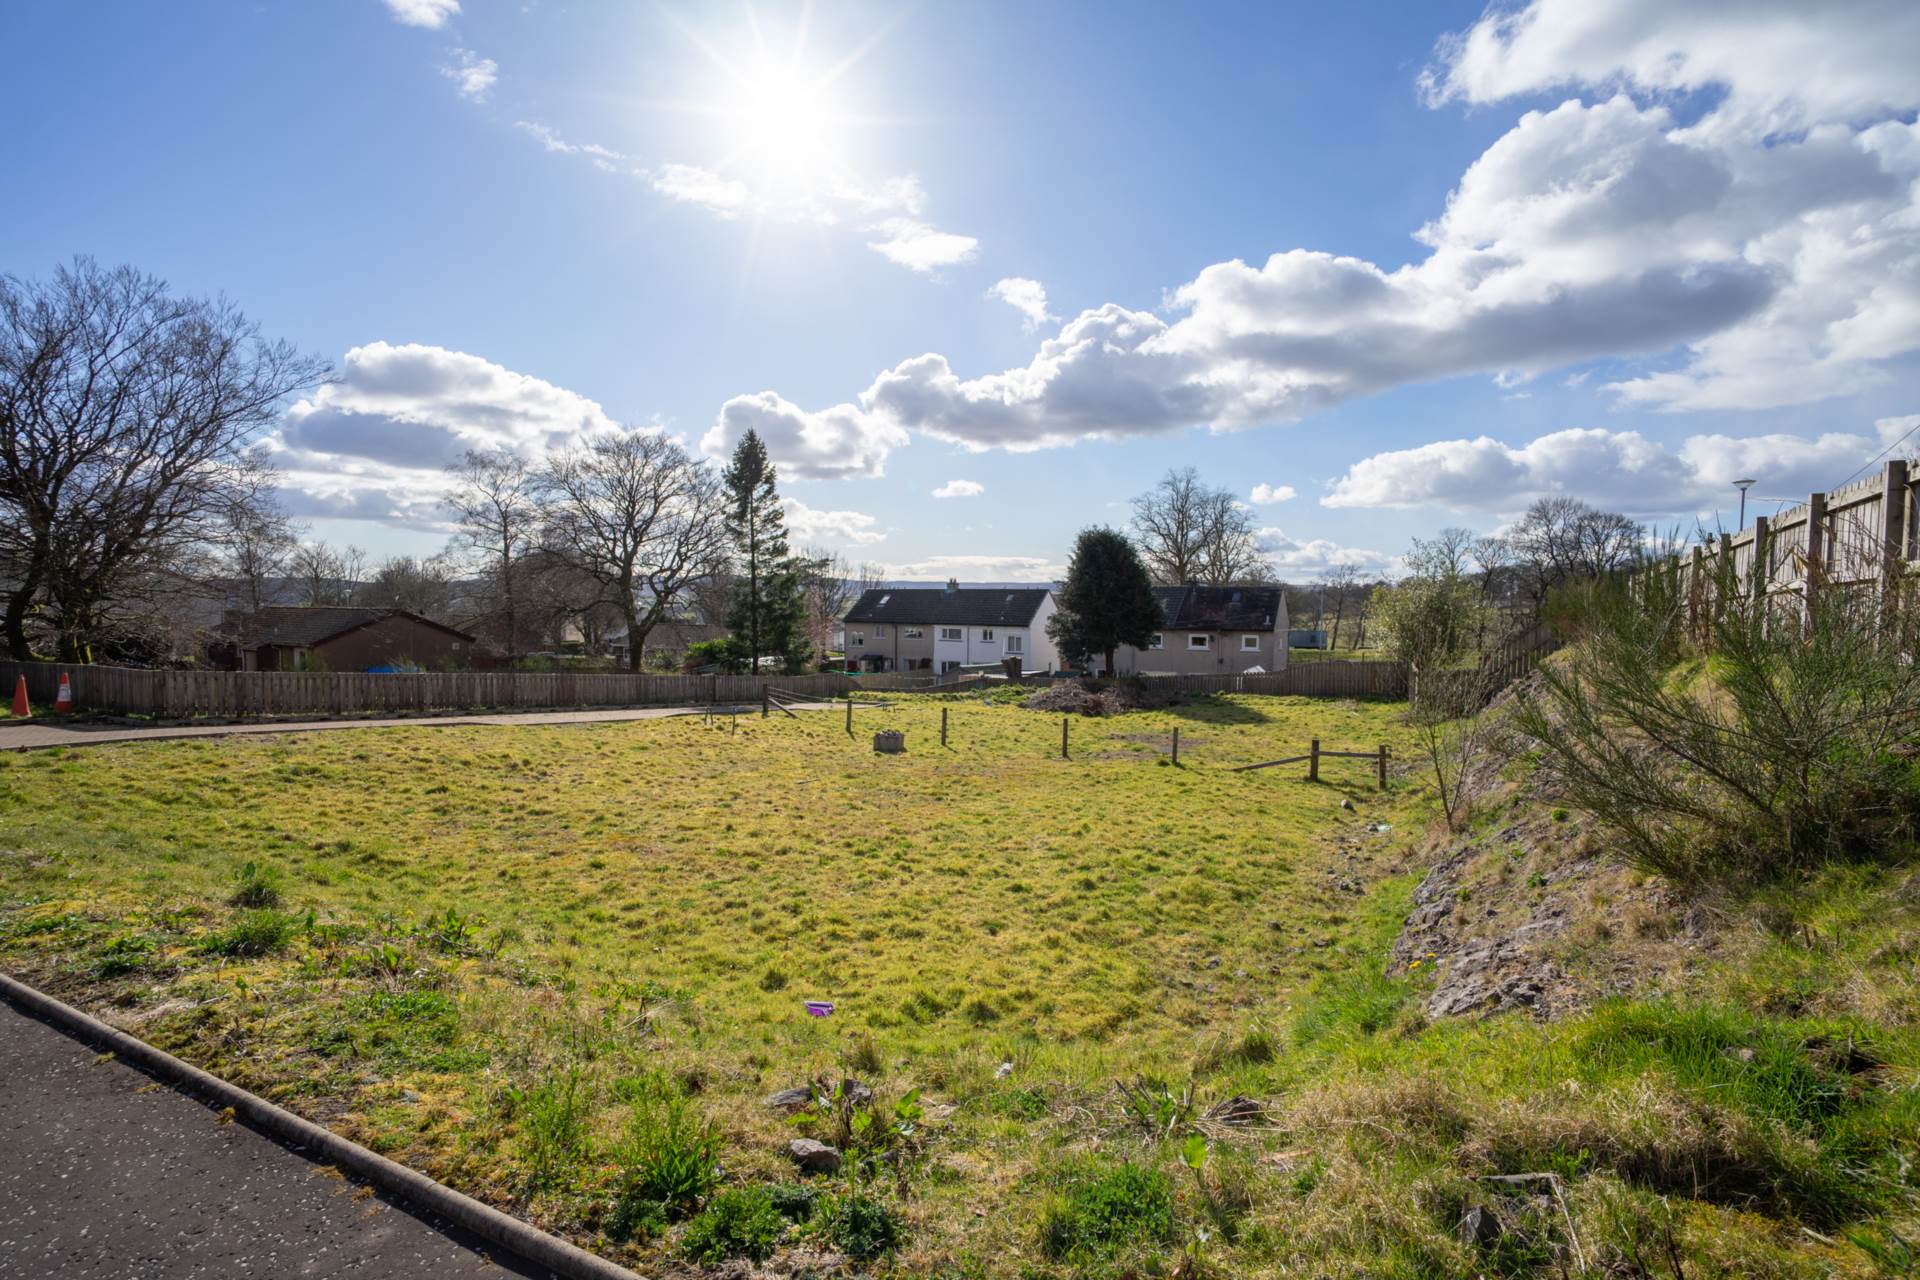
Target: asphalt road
[{"x": 104, "y": 1173}]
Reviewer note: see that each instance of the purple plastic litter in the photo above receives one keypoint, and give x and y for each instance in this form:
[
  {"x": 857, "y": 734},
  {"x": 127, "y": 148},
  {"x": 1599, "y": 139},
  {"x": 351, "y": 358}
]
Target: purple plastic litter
[{"x": 819, "y": 1008}]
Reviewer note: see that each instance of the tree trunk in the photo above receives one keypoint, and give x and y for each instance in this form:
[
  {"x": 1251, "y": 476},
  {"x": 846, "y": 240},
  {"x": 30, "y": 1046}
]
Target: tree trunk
[{"x": 1112, "y": 670}]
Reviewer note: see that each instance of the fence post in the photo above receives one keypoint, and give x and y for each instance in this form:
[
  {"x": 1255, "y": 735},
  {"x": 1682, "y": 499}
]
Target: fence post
[
  {"x": 1893, "y": 522},
  {"x": 1816, "y": 553},
  {"x": 763, "y": 700},
  {"x": 1762, "y": 557},
  {"x": 943, "y": 726},
  {"x": 1383, "y": 766},
  {"x": 849, "y": 713},
  {"x": 1313, "y": 761},
  {"x": 1063, "y": 737},
  {"x": 1176, "y": 744}
]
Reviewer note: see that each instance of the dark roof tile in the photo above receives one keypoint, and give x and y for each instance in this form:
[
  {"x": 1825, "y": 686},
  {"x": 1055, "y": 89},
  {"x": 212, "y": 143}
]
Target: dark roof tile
[{"x": 960, "y": 607}]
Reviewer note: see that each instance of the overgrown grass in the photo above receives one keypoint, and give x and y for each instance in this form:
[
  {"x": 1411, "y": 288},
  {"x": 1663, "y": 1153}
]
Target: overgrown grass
[{"x": 560, "y": 968}]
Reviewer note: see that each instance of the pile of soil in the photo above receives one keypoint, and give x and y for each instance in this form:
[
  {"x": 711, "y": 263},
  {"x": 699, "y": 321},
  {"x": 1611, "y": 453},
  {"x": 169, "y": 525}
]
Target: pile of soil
[{"x": 1082, "y": 697}]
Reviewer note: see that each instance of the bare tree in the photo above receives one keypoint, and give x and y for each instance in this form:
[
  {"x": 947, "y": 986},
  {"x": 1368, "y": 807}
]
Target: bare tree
[
  {"x": 493, "y": 496},
  {"x": 1340, "y": 580},
  {"x": 256, "y": 554},
  {"x": 637, "y": 514},
  {"x": 1562, "y": 539},
  {"x": 1188, "y": 531},
  {"x": 422, "y": 585},
  {"x": 126, "y": 419},
  {"x": 326, "y": 576},
  {"x": 832, "y": 587}
]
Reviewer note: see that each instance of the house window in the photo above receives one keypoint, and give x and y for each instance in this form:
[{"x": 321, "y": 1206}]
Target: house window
[
  {"x": 1016, "y": 643},
  {"x": 948, "y": 666},
  {"x": 856, "y": 638},
  {"x": 1250, "y": 643},
  {"x": 1199, "y": 642},
  {"x": 880, "y": 632},
  {"x": 950, "y": 633},
  {"x": 912, "y": 633},
  {"x": 1158, "y": 642},
  {"x": 986, "y": 633}
]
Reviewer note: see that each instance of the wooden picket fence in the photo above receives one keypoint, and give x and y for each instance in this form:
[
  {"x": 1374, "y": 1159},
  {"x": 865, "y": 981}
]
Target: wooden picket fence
[{"x": 183, "y": 695}]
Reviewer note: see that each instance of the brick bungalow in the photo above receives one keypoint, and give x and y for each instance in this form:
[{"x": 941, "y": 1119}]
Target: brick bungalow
[{"x": 342, "y": 638}]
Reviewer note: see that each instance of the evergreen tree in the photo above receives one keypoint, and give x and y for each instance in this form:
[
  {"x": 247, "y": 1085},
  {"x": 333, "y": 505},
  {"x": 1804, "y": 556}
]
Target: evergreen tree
[
  {"x": 1107, "y": 601},
  {"x": 769, "y": 607}
]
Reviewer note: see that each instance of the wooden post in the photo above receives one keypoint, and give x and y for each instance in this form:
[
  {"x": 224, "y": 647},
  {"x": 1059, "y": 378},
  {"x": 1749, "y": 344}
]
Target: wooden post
[
  {"x": 1383, "y": 766},
  {"x": 1176, "y": 744},
  {"x": 1063, "y": 737},
  {"x": 943, "y": 726},
  {"x": 1893, "y": 523},
  {"x": 763, "y": 700},
  {"x": 1816, "y": 553},
  {"x": 1313, "y": 761},
  {"x": 1762, "y": 570},
  {"x": 849, "y": 714}
]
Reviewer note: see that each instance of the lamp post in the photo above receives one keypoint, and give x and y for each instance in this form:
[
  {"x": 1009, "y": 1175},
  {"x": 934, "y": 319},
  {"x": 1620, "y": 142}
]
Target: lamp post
[{"x": 1743, "y": 486}]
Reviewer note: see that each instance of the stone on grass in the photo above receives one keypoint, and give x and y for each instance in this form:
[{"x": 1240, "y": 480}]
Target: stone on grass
[
  {"x": 1479, "y": 1229},
  {"x": 798, "y": 1098},
  {"x": 814, "y": 1157}
]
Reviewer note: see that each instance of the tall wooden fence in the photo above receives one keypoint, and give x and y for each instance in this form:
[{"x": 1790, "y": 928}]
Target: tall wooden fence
[{"x": 179, "y": 695}]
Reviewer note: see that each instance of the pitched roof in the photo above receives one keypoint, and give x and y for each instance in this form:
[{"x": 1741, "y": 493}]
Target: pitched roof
[
  {"x": 956, "y": 607},
  {"x": 1219, "y": 608},
  {"x": 302, "y": 626}
]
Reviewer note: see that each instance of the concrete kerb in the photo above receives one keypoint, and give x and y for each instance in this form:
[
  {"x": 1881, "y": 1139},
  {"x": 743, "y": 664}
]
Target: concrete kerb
[{"x": 529, "y": 1242}]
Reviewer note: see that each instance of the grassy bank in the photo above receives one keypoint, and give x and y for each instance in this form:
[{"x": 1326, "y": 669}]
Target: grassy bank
[{"x": 1117, "y": 1015}]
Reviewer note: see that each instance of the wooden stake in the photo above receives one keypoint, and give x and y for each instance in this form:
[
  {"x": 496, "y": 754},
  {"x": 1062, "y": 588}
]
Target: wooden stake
[
  {"x": 1063, "y": 737},
  {"x": 1313, "y": 761},
  {"x": 943, "y": 726},
  {"x": 764, "y": 699},
  {"x": 1176, "y": 746},
  {"x": 849, "y": 715},
  {"x": 1383, "y": 766}
]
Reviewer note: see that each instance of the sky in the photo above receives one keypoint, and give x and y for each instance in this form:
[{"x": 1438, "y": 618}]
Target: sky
[{"x": 982, "y": 273}]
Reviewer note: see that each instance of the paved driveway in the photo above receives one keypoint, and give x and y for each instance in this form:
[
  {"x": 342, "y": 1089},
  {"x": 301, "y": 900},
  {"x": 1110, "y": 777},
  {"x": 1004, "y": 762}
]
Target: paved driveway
[{"x": 108, "y": 1174}]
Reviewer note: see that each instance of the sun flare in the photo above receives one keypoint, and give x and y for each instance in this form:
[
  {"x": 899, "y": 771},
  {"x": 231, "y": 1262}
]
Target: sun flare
[{"x": 785, "y": 121}]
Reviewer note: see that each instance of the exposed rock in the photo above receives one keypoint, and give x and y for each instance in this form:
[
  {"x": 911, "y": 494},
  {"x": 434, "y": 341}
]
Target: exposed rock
[
  {"x": 856, "y": 1093},
  {"x": 814, "y": 1157},
  {"x": 1479, "y": 1229},
  {"x": 798, "y": 1098},
  {"x": 1002, "y": 1071}
]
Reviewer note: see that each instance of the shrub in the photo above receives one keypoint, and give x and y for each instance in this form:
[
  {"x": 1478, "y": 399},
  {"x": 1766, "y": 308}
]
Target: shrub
[
  {"x": 668, "y": 1163},
  {"x": 1723, "y": 738},
  {"x": 1105, "y": 1208},
  {"x": 256, "y": 933},
  {"x": 257, "y": 886},
  {"x": 861, "y": 1226},
  {"x": 738, "y": 1223}
]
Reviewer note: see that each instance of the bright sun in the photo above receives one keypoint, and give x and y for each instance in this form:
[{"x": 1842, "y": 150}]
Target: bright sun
[{"x": 785, "y": 121}]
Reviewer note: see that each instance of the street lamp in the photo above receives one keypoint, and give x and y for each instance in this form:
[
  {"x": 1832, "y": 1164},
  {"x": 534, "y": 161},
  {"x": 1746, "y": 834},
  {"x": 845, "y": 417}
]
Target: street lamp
[{"x": 1743, "y": 486}]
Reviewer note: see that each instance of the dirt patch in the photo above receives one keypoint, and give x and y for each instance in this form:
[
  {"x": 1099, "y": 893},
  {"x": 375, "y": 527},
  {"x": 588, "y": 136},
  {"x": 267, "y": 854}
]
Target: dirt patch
[{"x": 1080, "y": 698}]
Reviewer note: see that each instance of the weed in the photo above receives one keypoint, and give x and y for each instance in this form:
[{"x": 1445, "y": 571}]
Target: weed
[
  {"x": 552, "y": 1118},
  {"x": 126, "y": 953},
  {"x": 669, "y": 1161},
  {"x": 256, "y": 887},
  {"x": 861, "y": 1226},
  {"x": 254, "y": 934},
  {"x": 794, "y": 1201},
  {"x": 1104, "y": 1208},
  {"x": 741, "y": 1222}
]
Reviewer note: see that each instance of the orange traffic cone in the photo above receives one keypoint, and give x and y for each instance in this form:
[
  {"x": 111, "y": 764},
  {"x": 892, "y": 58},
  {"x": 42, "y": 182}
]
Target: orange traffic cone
[
  {"x": 63, "y": 704},
  {"x": 22, "y": 709}
]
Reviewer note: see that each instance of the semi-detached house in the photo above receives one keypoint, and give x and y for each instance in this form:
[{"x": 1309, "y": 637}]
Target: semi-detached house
[
  {"x": 942, "y": 628},
  {"x": 1211, "y": 631}
]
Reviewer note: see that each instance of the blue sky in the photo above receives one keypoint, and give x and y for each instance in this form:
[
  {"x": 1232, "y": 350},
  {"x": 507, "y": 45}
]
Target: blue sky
[{"x": 1596, "y": 248}]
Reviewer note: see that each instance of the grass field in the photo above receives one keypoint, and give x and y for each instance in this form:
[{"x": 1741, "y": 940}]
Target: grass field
[{"x": 561, "y": 967}]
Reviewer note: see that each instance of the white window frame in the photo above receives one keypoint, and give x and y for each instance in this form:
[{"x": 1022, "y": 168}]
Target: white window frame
[
  {"x": 1016, "y": 643},
  {"x": 1249, "y": 644},
  {"x": 986, "y": 635},
  {"x": 953, "y": 633},
  {"x": 856, "y": 639},
  {"x": 879, "y": 631},
  {"x": 1198, "y": 642},
  {"x": 1159, "y": 641}
]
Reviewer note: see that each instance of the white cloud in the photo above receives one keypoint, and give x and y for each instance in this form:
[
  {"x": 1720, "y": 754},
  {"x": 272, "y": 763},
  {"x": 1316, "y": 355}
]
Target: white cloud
[
  {"x": 726, "y": 197},
  {"x": 1297, "y": 561},
  {"x": 603, "y": 158},
  {"x": 1618, "y": 469},
  {"x": 472, "y": 74},
  {"x": 979, "y": 568},
  {"x": 1265, "y": 494},
  {"x": 920, "y": 247},
  {"x": 1028, "y": 297},
  {"x": 903, "y": 194},
  {"x": 809, "y": 525},
  {"x": 837, "y": 442},
  {"x": 372, "y": 445},
  {"x": 1753, "y": 268},
  {"x": 432, "y": 14},
  {"x": 960, "y": 489}
]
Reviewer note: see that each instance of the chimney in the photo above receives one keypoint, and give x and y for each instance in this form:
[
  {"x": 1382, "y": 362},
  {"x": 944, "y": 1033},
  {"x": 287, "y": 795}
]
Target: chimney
[{"x": 953, "y": 585}]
